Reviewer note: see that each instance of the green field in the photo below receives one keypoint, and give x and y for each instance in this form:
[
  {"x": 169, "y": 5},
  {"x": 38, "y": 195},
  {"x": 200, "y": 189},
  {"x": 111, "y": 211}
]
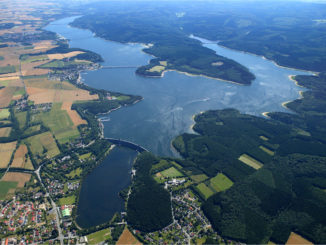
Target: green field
[
  {"x": 75, "y": 172},
  {"x": 204, "y": 190},
  {"x": 21, "y": 117},
  {"x": 199, "y": 177},
  {"x": 43, "y": 141},
  {"x": 7, "y": 69},
  {"x": 5, "y": 186},
  {"x": 99, "y": 236},
  {"x": 33, "y": 129},
  {"x": 69, "y": 200},
  {"x": 171, "y": 173},
  {"x": 220, "y": 182},
  {"x": 59, "y": 123},
  {"x": 28, "y": 59},
  {"x": 123, "y": 97},
  {"x": 4, "y": 114},
  {"x": 268, "y": 151},
  {"x": 250, "y": 161}
]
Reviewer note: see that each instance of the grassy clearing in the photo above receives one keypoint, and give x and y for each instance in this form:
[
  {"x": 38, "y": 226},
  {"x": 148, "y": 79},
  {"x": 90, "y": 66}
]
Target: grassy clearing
[
  {"x": 43, "y": 144},
  {"x": 199, "y": 178},
  {"x": 161, "y": 165},
  {"x": 7, "y": 69},
  {"x": 268, "y": 151},
  {"x": 123, "y": 97},
  {"x": 69, "y": 200},
  {"x": 157, "y": 69},
  {"x": 204, "y": 191},
  {"x": 4, "y": 114},
  {"x": 33, "y": 129},
  {"x": 74, "y": 173},
  {"x": 5, "y": 186},
  {"x": 220, "y": 182},
  {"x": 250, "y": 161},
  {"x": 85, "y": 156},
  {"x": 99, "y": 236},
  {"x": 171, "y": 173}
]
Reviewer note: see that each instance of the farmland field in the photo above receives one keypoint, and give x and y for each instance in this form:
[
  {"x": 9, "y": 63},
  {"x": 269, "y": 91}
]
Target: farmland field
[
  {"x": 205, "y": 191},
  {"x": 21, "y": 117},
  {"x": 99, "y": 236},
  {"x": 250, "y": 161},
  {"x": 7, "y": 69},
  {"x": 171, "y": 173},
  {"x": 43, "y": 141},
  {"x": 74, "y": 116},
  {"x": 5, "y": 186},
  {"x": 127, "y": 238},
  {"x": 62, "y": 56},
  {"x": 5, "y": 132},
  {"x": 20, "y": 178},
  {"x": 220, "y": 182},
  {"x": 60, "y": 123},
  {"x": 21, "y": 158},
  {"x": 6, "y": 150}
]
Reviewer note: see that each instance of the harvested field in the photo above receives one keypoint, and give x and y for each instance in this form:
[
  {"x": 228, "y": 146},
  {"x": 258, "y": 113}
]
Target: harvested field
[
  {"x": 21, "y": 178},
  {"x": 6, "y": 150},
  {"x": 5, "y": 132},
  {"x": 74, "y": 116},
  {"x": 43, "y": 82},
  {"x": 250, "y": 161},
  {"x": 45, "y": 45},
  {"x": 21, "y": 158},
  {"x": 63, "y": 56},
  {"x": 29, "y": 68},
  {"x": 297, "y": 239},
  {"x": 127, "y": 238},
  {"x": 39, "y": 95}
]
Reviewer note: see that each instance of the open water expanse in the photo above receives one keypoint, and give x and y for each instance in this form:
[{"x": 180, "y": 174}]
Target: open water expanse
[{"x": 169, "y": 103}]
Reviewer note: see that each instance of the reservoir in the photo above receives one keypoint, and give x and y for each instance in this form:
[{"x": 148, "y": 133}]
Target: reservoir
[
  {"x": 99, "y": 196},
  {"x": 166, "y": 111}
]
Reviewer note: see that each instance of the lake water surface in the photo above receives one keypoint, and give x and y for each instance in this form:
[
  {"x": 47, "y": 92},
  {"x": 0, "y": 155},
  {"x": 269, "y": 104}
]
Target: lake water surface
[{"x": 168, "y": 106}]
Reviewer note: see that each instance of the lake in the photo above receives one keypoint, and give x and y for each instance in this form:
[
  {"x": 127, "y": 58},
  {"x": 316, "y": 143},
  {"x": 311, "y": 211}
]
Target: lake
[{"x": 168, "y": 107}]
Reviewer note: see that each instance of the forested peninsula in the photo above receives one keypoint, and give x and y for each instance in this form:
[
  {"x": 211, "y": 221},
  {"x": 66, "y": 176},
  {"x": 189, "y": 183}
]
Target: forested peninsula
[{"x": 173, "y": 48}]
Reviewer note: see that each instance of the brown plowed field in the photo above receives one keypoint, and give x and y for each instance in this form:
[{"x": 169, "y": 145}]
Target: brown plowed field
[{"x": 21, "y": 178}]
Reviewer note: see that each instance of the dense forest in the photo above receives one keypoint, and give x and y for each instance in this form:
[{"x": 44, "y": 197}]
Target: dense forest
[
  {"x": 149, "y": 205},
  {"x": 288, "y": 192},
  {"x": 170, "y": 43}
]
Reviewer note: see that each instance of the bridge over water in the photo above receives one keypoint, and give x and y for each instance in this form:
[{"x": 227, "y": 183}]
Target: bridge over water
[{"x": 128, "y": 144}]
